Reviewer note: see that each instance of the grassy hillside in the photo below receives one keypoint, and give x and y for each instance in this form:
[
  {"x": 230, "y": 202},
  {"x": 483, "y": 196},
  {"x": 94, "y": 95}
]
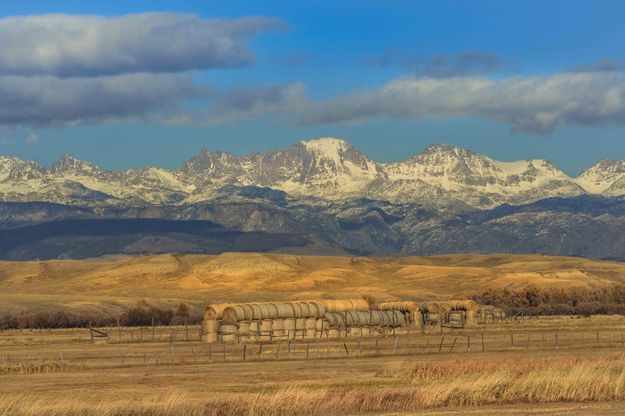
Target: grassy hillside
[{"x": 111, "y": 284}]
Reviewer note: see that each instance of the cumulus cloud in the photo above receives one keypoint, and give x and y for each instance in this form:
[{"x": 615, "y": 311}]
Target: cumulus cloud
[
  {"x": 49, "y": 101},
  {"x": 252, "y": 102},
  {"x": 71, "y": 46},
  {"x": 536, "y": 104}
]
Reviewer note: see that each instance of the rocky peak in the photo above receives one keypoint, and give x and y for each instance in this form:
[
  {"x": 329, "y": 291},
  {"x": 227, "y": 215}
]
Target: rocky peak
[{"x": 69, "y": 165}]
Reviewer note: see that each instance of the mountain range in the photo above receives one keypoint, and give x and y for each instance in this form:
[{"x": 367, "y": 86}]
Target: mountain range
[{"x": 317, "y": 196}]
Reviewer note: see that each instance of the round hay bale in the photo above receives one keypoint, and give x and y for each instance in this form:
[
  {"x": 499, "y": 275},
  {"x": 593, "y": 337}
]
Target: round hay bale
[
  {"x": 244, "y": 328},
  {"x": 210, "y": 325},
  {"x": 456, "y": 317},
  {"x": 403, "y": 306},
  {"x": 289, "y": 328},
  {"x": 463, "y": 305},
  {"x": 278, "y": 328},
  {"x": 297, "y": 309},
  {"x": 359, "y": 305},
  {"x": 333, "y": 333},
  {"x": 432, "y": 317},
  {"x": 266, "y": 327},
  {"x": 215, "y": 311},
  {"x": 300, "y": 327},
  {"x": 311, "y": 328},
  {"x": 305, "y": 309},
  {"x": 229, "y": 333},
  {"x": 313, "y": 310},
  {"x": 256, "y": 312},
  {"x": 234, "y": 313},
  {"x": 210, "y": 337},
  {"x": 285, "y": 310}
]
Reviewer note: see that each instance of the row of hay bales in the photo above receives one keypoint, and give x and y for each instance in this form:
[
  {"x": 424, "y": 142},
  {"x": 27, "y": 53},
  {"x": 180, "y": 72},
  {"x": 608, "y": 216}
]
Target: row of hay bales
[{"x": 329, "y": 318}]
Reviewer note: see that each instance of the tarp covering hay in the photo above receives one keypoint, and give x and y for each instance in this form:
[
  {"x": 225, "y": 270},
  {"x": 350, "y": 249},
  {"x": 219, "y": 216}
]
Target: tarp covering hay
[{"x": 344, "y": 305}]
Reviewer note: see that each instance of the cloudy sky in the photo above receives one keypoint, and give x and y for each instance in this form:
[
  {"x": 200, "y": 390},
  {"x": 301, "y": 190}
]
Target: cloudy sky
[{"x": 152, "y": 82}]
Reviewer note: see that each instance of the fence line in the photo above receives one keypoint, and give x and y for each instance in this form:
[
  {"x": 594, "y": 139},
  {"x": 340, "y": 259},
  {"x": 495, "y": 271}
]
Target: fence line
[{"x": 401, "y": 345}]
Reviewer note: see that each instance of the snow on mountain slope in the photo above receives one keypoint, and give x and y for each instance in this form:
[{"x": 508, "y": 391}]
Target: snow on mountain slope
[
  {"x": 324, "y": 169},
  {"x": 480, "y": 180},
  {"x": 606, "y": 177}
]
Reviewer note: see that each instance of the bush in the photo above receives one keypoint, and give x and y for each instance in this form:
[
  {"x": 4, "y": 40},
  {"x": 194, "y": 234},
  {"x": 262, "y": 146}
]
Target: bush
[{"x": 533, "y": 300}]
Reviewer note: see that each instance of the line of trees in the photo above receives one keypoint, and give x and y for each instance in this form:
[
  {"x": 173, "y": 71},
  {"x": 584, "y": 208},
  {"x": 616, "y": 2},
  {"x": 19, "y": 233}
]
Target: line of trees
[
  {"x": 533, "y": 300},
  {"x": 141, "y": 314}
]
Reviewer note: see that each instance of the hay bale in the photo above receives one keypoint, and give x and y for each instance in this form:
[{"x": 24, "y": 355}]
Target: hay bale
[
  {"x": 229, "y": 333},
  {"x": 344, "y": 305},
  {"x": 210, "y": 337},
  {"x": 365, "y": 331},
  {"x": 210, "y": 325},
  {"x": 289, "y": 328},
  {"x": 215, "y": 311},
  {"x": 311, "y": 328},
  {"x": 236, "y": 313},
  {"x": 244, "y": 328},
  {"x": 300, "y": 327},
  {"x": 285, "y": 310},
  {"x": 334, "y": 333},
  {"x": 456, "y": 317},
  {"x": 411, "y": 310},
  {"x": 355, "y": 332},
  {"x": 463, "y": 305},
  {"x": 278, "y": 328},
  {"x": 266, "y": 328}
]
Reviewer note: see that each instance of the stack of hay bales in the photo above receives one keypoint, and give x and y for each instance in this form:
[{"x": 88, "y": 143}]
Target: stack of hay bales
[
  {"x": 468, "y": 311},
  {"x": 210, "y": 322},
  {"x": 411, "y": 310},
  {"x": 333, "y": 318},
  {"x": 361, "y": 323},
  {"x": 435, "y": 313}
]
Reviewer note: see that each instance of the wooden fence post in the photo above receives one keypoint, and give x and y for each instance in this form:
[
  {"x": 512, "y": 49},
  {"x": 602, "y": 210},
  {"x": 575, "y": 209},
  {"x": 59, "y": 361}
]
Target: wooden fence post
[
  {"x": 244, "y": 351},
  {"x": 346, "y": 351},
  {"x": 483, "y": 345},
  {"x": 440, "y": 347},
  {"x": 307, "y": 349},
  {"x": 260, "y": 350},
  {"x": 468, "y": 343},
  {"x": 359, "y": 347},
  {"x": 224, "y": 352},
  {"x": 395, "y": 344},
  {"x": 453, "y": 344},
  {"x": 152, "y": 329}
]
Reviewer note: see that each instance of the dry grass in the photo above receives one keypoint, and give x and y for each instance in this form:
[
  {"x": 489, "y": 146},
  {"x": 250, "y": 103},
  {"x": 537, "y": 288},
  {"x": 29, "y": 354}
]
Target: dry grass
[
  {"x": 110, "y": 285},
  {"x": 412, "y": 387}
]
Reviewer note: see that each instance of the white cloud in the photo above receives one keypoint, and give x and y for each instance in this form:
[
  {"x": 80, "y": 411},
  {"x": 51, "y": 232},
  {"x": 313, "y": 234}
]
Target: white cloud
[
  {"x": 534, "y": 103},
  {"x": 69, "y": 46},
  {"x": 46, "y": 101}
]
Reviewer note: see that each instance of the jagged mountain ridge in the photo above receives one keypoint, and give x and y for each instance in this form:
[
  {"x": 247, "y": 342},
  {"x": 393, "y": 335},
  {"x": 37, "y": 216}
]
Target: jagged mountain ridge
[{"x": 325, "y": 169}]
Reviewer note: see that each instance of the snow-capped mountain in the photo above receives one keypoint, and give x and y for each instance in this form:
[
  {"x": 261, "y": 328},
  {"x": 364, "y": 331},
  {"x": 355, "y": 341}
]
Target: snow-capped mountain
[{"x": 327, "y": 169}]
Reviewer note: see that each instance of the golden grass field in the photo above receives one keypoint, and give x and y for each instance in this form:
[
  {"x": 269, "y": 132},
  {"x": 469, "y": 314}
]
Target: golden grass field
[
  {"x": 110, "y": 285},
  {"x": 547, "y": 366}
]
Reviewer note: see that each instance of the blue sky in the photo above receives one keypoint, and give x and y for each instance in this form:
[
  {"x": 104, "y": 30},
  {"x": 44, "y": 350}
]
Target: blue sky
[{"x": 512, "y": 80}]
